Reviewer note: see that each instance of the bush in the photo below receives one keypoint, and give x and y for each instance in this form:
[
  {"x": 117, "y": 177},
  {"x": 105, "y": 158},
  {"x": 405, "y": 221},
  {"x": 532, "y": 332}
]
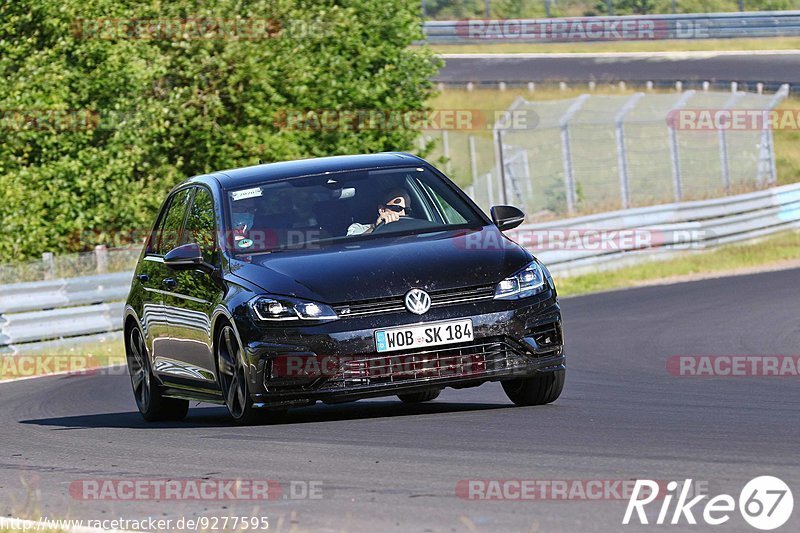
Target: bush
[{"x": 97, "y": 125}]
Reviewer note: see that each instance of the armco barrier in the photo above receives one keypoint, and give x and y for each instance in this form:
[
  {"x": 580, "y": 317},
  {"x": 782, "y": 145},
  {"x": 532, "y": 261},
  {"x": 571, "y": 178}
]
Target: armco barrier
[
  {"x": 616, "y": 28},
  {"x": 665, "y": 229},
  {"x": 44, "y": 310},
  {"x": 33, "y": 313}
]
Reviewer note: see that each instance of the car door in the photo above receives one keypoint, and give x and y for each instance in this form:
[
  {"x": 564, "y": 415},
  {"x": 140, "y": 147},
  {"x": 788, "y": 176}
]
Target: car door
[
  {"x": 192, "y": 296},
  {"x": 153, "y": 272}
]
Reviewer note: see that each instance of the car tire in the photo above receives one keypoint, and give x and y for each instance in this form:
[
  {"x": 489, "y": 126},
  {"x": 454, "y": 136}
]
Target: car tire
[
  {"x": 233, "y": 380},
  {"x": 152, "y": 404},
  {"x": 419, "y": 397},
  {"x": 538, "y": 390}
]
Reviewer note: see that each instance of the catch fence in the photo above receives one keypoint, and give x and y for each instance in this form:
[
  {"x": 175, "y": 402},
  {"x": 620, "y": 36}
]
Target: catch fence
[{"x": 598, "y": 153}]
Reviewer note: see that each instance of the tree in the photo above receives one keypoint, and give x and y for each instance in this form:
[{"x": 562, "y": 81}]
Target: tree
[{"x": 103, "y": 109}]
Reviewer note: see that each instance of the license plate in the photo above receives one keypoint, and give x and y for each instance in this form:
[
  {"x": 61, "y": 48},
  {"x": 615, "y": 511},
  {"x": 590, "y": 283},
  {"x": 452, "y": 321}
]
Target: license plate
[{"x": 422, "y": 335}]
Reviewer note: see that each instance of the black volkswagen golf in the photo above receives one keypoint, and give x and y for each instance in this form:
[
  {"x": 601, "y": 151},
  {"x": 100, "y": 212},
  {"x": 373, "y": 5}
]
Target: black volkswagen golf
[{"x": 335, "y": 279}]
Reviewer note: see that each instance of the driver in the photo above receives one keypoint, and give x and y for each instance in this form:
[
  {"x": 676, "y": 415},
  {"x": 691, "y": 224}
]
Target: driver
[
  {"x": 397, "y": 200},
  {"x": 243, "y": 216}
]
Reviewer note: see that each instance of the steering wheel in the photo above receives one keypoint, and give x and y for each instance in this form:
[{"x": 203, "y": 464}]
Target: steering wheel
[
  {"x": 402, "y": 224},
  {"x": 381, "y": 226}
]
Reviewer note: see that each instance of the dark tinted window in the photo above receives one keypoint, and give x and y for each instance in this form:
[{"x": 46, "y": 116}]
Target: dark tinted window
[
  {"x": 200, "y": 224},
  {"x": 299, "y": 212},
  {"x": 169, "y": 234}
]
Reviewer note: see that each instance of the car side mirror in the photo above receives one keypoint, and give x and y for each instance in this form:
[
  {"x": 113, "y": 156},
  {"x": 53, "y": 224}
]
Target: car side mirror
[
  {"x": 187, "y": 257},
  {"x": 507, "y": 216}
]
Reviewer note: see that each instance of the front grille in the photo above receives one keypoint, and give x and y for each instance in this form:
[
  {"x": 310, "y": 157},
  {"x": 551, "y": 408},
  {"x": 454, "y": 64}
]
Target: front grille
[
  {"x": 473, "y": 360},
  {"x": 395, "y": 304}
]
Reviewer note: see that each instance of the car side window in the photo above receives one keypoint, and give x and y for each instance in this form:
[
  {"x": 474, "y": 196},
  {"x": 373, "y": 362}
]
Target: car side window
[
  {"x": 170, "y": 230},
  {"x": 199, "y": 227},
  {"x": 442, "y": 206},
  {"x": 152, "y": 240},
  {"x": 451, "y": 215}
]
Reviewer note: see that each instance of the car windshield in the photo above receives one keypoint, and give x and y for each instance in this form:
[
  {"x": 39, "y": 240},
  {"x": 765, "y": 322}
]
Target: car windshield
[{"x": 312, "y": 210}]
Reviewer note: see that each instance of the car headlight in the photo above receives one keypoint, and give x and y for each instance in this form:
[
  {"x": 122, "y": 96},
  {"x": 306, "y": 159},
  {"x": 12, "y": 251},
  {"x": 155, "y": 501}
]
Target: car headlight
[
  {"x": 526, "y": 282},
  {"x": 285, "y": 309}
]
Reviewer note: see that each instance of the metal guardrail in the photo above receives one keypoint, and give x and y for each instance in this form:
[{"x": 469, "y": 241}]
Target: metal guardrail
[
  {"x": 616, "y": 28},
  {"x": 610, "y": 240},
  {"x": 34, "y": 313},
  {"x": 44, "y": 310}
]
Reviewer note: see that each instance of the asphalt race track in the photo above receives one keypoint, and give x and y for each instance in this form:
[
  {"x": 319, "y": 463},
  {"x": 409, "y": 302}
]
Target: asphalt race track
[
  {"x": 770, "y": 69},
  {"x": 387, "y": 466}
]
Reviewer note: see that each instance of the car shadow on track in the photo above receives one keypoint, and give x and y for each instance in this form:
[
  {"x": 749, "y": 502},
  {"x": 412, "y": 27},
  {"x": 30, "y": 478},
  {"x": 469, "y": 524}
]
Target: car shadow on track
[{"x": 203, "y": 417}]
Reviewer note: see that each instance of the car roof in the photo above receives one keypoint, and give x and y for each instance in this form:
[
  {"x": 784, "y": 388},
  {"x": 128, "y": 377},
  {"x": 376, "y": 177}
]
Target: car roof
[{"x": 242, "y": 177}]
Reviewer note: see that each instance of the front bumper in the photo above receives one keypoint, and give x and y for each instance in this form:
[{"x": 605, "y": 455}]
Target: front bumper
[{"x": 337, "y": 361}]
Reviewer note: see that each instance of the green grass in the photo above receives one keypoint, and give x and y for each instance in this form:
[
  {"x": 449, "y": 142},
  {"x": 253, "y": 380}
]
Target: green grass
[
  {"x": 771, "y": 251},
  {"x": 706, "y": 45}
]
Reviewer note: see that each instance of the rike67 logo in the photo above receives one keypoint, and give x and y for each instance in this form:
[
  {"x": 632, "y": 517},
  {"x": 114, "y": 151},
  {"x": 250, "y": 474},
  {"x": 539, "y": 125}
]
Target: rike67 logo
[{"x": 765, "y": 503}]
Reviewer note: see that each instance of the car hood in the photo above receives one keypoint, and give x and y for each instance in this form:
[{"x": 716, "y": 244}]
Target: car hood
[{"x": 386, "y": 266}]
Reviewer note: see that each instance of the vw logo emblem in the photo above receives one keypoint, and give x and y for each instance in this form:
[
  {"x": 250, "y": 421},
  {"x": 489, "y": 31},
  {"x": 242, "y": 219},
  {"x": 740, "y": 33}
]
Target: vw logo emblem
[{"x": 418, "y": 301}]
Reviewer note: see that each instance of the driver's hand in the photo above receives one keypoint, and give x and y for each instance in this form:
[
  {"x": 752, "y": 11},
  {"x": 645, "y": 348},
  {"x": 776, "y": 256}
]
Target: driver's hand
[{"x": 386, "y": 216}]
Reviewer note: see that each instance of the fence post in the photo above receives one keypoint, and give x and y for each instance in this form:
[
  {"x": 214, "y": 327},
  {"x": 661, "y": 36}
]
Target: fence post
[
  {"x": 49, "y": 263},
  {"x": 489, "y": 188},
  {"x": 517, "y": 158},
  {"x": 566, "y": 151},
  {"x": 766, "y": 156},
  {"x": 498, "y": 135},
  {"x": 506, "y": 120},
  {"x": 773, "y": 171},
  {"x": 672, "y": 133},
  {"x": 473, "y": 163},
  {"x": 528, "y": 176},
  {"x": 723, "y": 145},
  {"x": 446, "y": 149},
  {"x": 622, "y": 158},
  {"x": 101, "y": 258}
]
